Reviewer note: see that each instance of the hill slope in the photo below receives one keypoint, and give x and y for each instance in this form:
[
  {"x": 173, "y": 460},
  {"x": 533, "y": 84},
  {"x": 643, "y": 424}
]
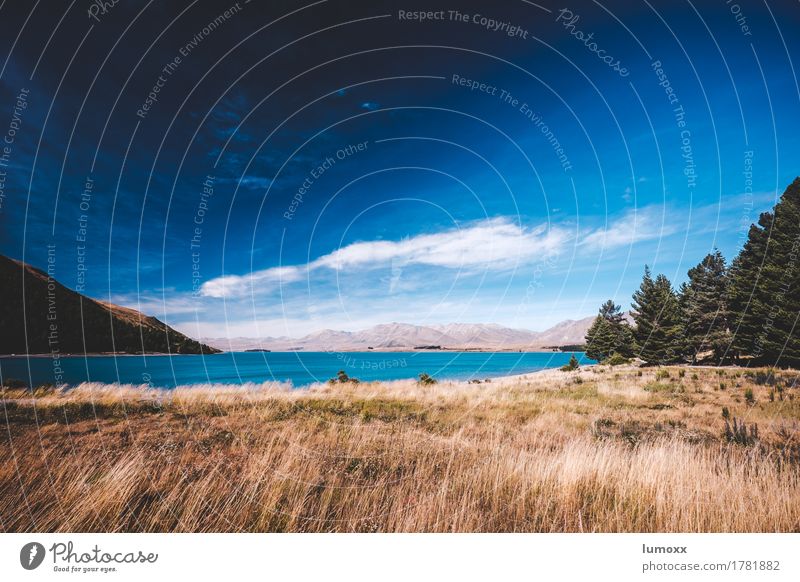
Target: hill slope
[{"x": 59, "y": 319}]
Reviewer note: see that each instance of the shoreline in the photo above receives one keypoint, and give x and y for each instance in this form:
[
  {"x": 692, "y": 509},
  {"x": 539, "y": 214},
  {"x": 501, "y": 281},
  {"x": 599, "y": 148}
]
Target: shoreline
[{"x": 554, "y": 374}]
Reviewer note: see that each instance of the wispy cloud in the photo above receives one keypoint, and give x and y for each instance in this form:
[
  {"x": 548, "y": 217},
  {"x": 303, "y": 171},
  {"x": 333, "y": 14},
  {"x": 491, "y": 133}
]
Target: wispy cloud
[
  {"x": 495, "y": 244},
  {"x": 632, "y": 227},
  {"x": 238, "y": 285}
]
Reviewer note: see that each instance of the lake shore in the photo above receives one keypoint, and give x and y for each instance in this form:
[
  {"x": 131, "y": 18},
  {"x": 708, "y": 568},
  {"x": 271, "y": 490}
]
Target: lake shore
[{"x": 599, "y": 449}]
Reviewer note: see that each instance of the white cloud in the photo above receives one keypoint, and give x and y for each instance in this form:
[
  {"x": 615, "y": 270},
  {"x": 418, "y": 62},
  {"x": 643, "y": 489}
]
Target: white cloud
[
  {"x": 494, "y": 244},
  {"x": 634, "y": 226},
  {"x": 236, "y": 285}
]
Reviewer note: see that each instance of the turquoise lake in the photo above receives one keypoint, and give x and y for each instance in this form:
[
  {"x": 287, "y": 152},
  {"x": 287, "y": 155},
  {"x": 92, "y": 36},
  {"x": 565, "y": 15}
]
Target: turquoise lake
[{"x": 299, "y": 368}]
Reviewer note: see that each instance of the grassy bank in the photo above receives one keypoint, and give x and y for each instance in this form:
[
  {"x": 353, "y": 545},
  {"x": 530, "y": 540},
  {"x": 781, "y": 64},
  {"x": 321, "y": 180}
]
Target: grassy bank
[{"x": 601, "y": 449}]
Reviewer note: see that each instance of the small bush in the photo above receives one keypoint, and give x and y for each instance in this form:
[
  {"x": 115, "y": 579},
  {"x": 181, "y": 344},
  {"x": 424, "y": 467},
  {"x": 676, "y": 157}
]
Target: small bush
[
  {"x": 572, "y": 365},
  {"x": 726, "y": 414},
  {"x": 762, "y": 377},
  {"x": 681, "y": 373},
  {"x": 695, "y": 377},
  {"x": 616, "y": 359},
  {"x": 426, "y": 379},
  {"x": 738, "y": 433},
  {"x": 749, "y": 397},
  {"x": 343, "y": 378},
  {"x": 639, "y": 373},
  {"x": 662, "y": 374}
]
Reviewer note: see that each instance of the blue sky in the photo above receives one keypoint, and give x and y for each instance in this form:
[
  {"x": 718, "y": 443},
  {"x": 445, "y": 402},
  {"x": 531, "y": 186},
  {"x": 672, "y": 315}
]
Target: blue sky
[{"x": 518, "y": 179}]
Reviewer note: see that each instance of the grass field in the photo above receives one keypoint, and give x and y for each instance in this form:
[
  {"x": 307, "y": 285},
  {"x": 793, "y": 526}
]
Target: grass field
[{"x": 602, "y": 449}]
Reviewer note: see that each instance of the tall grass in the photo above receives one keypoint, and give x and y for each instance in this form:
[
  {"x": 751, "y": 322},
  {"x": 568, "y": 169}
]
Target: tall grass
[{"x": 520, "y": 455}]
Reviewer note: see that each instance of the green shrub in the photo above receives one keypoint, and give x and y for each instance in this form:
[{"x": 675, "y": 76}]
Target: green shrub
[
  {"x": 426, "y": 379},
  {"x": 343, "y": 378},
  {"x": 681, "y": 373},
  {"x": 572, "y": 365},
  {"x": 749, "y": 397},
  {"x": 616, "y": 360},
  {"x": 662, "y": 374}
]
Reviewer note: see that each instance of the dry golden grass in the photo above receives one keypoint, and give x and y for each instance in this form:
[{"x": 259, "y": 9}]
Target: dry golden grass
[{"x": 601, "y": 449}]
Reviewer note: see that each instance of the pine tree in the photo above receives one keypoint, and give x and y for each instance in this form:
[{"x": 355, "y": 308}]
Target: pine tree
[
  {"x": 657, "y": 314},
  {"x": 765, "y": 285},
  {"x": 704, "y": 304},
  {"x": 609, "y": 334}
]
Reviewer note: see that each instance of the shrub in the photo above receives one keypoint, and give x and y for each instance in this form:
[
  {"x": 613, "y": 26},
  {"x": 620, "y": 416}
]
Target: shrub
[
  {"x": 572, "y": 365},
  {"x": 726, "y": 414},
  {"x": 681, "y": 373},
  {"x": 737, "y": 432},
  {"x": 426, "y": 379},
  {"x": 748, "y": 397},
  {"x": 662, "y": 374},
  {"x": 343, "y": 378},
  {"x": 762, "y": 377},
  {"x": 616, "y": 360}
]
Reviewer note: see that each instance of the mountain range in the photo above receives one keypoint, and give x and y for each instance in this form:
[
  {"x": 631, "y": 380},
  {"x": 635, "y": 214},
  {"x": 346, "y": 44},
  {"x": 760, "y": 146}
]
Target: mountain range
[
  {"x": 38, "y": 315},
  {"x": 397, "y": 336}
]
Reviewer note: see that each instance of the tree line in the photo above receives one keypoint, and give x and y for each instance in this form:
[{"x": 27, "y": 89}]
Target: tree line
[{"x": 748, "y": 311}]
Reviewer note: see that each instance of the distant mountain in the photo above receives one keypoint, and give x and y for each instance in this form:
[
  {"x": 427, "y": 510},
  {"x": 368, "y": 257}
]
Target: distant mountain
[
  {"x": 567, "y": 332},
  {"x": 38, "y": 315},
  {"x": 389, "y": 336}
]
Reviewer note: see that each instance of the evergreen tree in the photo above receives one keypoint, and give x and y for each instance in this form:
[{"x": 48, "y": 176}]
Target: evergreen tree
[
  {"x": 765, "y": 285},
  {"x": 657, "y": 313},
  {"x": 704, "y": 305},
  {"x": 572, "y": 365},
  {"x": 609, "y": 334}
]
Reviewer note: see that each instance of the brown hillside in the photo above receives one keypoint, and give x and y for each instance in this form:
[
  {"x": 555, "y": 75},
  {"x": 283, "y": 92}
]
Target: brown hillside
[{"x": 39, "y": 315}]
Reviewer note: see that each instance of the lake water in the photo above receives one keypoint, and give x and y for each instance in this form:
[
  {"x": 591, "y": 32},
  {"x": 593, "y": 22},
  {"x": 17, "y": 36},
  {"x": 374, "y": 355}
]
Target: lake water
[{"x": 299, "y": 368}]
